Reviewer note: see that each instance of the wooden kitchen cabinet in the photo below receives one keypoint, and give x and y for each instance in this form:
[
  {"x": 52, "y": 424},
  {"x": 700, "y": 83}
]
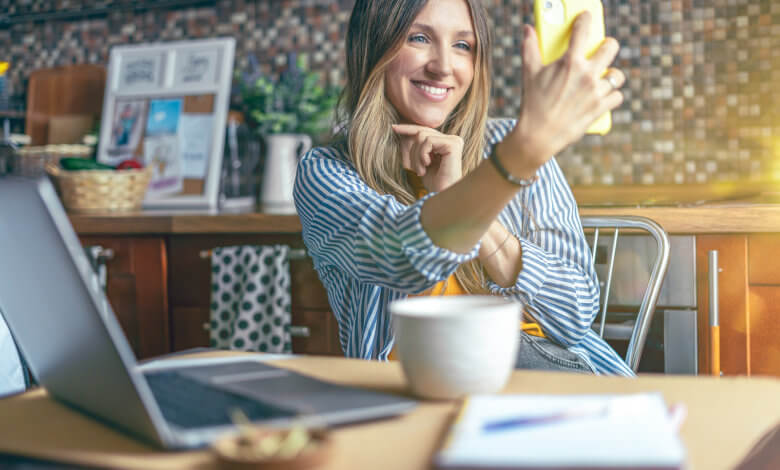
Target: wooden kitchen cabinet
[
  {"x": 313, "y": 326},
  {"x": 159, "y": 284},
  {"x": 764, "y": 304},
  {"x": 311, "y": 310},
  {"x": 764, "y": 330},
  {"x": 137, "y": 289},
  {"x": 732, "y": 302},
  {"x": 749, "y": 303}
]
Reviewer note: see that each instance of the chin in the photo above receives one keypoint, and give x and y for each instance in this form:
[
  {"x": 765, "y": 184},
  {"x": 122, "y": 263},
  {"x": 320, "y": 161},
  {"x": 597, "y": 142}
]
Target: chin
[{"x": 432, "y": 121}]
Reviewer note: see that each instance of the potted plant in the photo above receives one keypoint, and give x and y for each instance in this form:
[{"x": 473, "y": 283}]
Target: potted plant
[{"x": 287, "y": 112}]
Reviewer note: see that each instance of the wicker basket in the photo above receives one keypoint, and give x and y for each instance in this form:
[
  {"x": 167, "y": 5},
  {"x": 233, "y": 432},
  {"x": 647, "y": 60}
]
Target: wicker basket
[
  {"x": 100, "y": 190},
  {"x": 32, "y": 161}
]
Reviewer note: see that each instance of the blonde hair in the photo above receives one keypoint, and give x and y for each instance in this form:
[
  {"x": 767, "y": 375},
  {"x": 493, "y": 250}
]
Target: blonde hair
[{"x": 374, "y": 38}]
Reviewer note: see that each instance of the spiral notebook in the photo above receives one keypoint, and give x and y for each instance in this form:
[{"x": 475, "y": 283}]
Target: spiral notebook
[{"x": 567, "y": 431}]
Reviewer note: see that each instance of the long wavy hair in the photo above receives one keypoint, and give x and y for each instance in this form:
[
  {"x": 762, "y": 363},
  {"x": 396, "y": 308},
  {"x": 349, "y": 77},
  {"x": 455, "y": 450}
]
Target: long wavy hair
[{"x": 377, "y": 30}]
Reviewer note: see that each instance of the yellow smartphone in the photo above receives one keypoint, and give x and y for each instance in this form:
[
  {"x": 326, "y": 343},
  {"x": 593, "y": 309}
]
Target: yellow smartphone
[{"x": 554, "y": 19}]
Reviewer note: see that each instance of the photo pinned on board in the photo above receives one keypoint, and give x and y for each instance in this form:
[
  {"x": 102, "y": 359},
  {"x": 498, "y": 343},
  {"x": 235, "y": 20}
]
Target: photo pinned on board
[
  {"x": 127, "y": 127},
  {"x": 161, "y": 147}
]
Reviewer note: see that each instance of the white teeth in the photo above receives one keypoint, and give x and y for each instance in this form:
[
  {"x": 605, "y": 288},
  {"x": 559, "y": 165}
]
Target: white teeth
[{"x": 431, "y": 90}]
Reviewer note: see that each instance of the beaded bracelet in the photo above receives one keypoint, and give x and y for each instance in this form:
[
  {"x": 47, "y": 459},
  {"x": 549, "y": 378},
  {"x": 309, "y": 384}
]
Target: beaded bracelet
[{"x": 522, "y": 182}]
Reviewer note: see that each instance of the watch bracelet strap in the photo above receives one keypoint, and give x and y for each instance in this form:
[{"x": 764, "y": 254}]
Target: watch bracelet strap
[{"x": 522, "y": 182}]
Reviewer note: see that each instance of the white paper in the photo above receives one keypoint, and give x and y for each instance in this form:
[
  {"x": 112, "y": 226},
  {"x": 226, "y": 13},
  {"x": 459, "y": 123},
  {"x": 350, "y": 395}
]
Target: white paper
[
  {"x": 162, "y": 154},
  {"x": 139, "y": 70},
  {"x": 195, "y": 143},
  {"x": 196, "y": 67},
  {"x": 634, "y": 431}
]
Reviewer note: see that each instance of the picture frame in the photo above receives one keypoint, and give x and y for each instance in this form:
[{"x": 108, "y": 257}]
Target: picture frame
[{"x": 166, "y": 105}]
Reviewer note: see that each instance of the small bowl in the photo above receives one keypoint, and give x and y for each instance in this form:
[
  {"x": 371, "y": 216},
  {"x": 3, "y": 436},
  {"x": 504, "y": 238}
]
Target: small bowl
[
  {"x": 231, "y": 456},
  {"x": 454, "y": 346}
]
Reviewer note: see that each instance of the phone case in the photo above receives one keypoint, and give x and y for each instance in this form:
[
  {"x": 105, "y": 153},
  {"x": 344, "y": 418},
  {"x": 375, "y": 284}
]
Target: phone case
[{"x": 553, "y": 26}]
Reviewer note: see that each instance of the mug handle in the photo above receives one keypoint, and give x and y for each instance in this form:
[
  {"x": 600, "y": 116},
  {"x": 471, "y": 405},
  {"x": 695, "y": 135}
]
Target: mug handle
[{"x": 304, "y": 144}]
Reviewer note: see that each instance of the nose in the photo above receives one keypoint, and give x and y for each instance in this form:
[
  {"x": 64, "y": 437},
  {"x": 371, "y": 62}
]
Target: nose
[{"x": 440, "y": 61}]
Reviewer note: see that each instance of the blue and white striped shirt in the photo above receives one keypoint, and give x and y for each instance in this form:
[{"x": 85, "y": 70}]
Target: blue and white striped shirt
[{"x": 369, "y": 249}]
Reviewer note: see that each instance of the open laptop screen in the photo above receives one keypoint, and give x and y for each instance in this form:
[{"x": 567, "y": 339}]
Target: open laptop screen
[{"x": 54, "y": 309}]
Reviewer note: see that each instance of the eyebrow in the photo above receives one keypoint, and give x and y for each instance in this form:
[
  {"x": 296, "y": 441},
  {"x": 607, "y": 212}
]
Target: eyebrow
[{"x": 430, "y": 29}]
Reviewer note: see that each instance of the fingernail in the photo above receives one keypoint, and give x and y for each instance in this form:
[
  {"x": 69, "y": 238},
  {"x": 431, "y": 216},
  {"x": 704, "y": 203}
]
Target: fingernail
[{"x": 526, "y": 31}]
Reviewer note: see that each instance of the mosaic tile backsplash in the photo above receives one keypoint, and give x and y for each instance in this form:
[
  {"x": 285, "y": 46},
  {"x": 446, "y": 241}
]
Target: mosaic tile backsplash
[{"x": 702, "y": 101}]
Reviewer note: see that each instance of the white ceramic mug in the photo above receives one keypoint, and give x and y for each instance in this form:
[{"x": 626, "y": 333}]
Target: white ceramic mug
[{"x": 451, "y": 346}]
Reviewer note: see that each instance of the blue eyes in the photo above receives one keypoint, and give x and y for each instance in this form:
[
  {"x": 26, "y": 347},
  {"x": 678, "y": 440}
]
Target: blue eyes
[{"x": 422, "y": 39}]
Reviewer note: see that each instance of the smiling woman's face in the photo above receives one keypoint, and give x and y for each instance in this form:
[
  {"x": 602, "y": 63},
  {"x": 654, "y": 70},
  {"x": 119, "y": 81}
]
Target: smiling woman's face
[{"x": 435, "y": 66}]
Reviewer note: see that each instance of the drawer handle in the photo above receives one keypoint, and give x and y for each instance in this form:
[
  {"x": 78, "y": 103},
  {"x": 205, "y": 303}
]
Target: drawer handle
[
  {"x": 105, "y": 254},
  {"x": 295, "y": 331},
  {"x": 300, "y": 331}
]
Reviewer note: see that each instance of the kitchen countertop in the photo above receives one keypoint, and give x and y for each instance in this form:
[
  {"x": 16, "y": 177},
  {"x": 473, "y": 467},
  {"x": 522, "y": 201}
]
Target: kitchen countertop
[
  {"x": 680, "y": 210},
  {"x": 179, "y": 222}
]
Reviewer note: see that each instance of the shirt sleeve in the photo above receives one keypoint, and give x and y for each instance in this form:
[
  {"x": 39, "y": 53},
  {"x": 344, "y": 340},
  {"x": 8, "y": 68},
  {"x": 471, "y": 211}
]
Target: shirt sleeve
[
  {"x": 371, "y": 237},
  {"x": 558, "y": 282}
]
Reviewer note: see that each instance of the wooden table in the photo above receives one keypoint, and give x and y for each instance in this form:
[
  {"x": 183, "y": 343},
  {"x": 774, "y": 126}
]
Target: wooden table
[{"x": 725, "y": 418}]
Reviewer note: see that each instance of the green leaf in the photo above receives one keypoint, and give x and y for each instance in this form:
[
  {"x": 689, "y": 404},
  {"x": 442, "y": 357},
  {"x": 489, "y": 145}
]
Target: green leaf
[{"x": 295, "y": 101}]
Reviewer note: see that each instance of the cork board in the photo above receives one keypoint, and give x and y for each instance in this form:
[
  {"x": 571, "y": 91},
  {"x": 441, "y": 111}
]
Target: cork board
[{"x": 166, "y": 107}]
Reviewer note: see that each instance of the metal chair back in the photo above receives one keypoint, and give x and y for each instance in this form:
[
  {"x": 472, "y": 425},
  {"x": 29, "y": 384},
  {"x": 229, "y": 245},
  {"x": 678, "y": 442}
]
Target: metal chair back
[{"x": 614, "y": 225}]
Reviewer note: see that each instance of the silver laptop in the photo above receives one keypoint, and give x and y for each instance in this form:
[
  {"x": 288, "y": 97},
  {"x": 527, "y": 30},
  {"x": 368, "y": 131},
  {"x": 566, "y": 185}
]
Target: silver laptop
[{"x": 74, "y": 346}]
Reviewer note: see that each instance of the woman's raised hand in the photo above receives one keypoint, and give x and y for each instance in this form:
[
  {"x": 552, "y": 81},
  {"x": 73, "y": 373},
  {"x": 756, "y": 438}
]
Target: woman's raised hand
[
  {"x": 435, "y": 157},
  {"x": 562, "y": 99}
]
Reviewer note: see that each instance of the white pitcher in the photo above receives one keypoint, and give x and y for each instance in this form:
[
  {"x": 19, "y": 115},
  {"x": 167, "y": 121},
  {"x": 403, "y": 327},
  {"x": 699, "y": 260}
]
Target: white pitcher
[{"x": 281, "y": 161}]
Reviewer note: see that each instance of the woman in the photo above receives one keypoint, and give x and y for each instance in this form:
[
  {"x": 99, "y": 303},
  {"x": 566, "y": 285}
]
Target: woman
[{"x": 416, "y": 101}]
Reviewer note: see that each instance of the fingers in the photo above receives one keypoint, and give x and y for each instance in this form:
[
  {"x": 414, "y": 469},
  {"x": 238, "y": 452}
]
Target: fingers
[
  {"x": 420, "y": 158},
  {"x": 407, "y": 144},
  {"x": 422, "y": 146},
  {"x": 414, "y": 155},
  {"x": 605, "y": 54},
  {"x": 579, "y": 35},
  {"x": 532, "y": 56},
  {"x": 406, "y": 160},
  {"x": 409, "y": 129},
  {"x": 611, "y": 100},
  {"x": 613, "y": 80}
]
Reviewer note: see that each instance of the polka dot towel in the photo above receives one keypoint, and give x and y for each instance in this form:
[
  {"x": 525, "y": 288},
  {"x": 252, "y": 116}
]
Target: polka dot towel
[{"x": 250, "y": 298}]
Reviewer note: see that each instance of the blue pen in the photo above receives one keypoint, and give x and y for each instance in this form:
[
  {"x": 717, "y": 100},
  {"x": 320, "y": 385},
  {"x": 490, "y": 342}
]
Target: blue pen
[{"x": 523, "y": 421}]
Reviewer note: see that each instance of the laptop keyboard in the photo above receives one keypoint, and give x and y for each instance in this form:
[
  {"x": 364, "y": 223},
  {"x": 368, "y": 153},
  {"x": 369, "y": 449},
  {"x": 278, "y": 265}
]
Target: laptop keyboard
[{"x": 189, "y": 403}]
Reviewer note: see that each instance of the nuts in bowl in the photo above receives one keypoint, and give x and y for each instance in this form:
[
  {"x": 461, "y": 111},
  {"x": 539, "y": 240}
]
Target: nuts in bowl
[{"x": 253, "y": 447}]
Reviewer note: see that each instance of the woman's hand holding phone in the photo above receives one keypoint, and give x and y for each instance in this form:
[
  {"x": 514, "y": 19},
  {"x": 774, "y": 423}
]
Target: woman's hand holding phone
[{"x": 561, "y": 99}]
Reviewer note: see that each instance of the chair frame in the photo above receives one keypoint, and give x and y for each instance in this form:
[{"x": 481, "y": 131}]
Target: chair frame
[{"x": 647, "y": 308}]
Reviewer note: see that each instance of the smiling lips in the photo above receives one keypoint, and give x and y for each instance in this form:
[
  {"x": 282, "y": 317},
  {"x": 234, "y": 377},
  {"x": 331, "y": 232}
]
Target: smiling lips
[{"x": 432, "y": 92}]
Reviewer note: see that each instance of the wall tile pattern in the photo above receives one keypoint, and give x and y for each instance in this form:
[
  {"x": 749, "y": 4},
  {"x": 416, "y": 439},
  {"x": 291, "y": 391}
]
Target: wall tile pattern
[{"x": 702, "y": 101}]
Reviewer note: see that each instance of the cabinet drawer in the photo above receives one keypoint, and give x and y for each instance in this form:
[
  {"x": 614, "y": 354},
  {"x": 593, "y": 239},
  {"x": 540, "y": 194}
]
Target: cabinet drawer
[
  {"x": 321, "y": 336},
  {"x": 136, "y": 275},
  {"x": 764, "y": 329},
  {"x": 307, "y": 290},
  {"x": 191, "y": 273},
  {"x": 313, "y": 331},
  {"x": 762, "y": 249},
  {"x": 190, "y": 293},
  {"x": 188, "y": 327}
]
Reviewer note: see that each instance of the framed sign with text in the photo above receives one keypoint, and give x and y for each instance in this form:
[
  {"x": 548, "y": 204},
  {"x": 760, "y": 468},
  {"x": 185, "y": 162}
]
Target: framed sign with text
[{"x": 166, "y": 106}]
